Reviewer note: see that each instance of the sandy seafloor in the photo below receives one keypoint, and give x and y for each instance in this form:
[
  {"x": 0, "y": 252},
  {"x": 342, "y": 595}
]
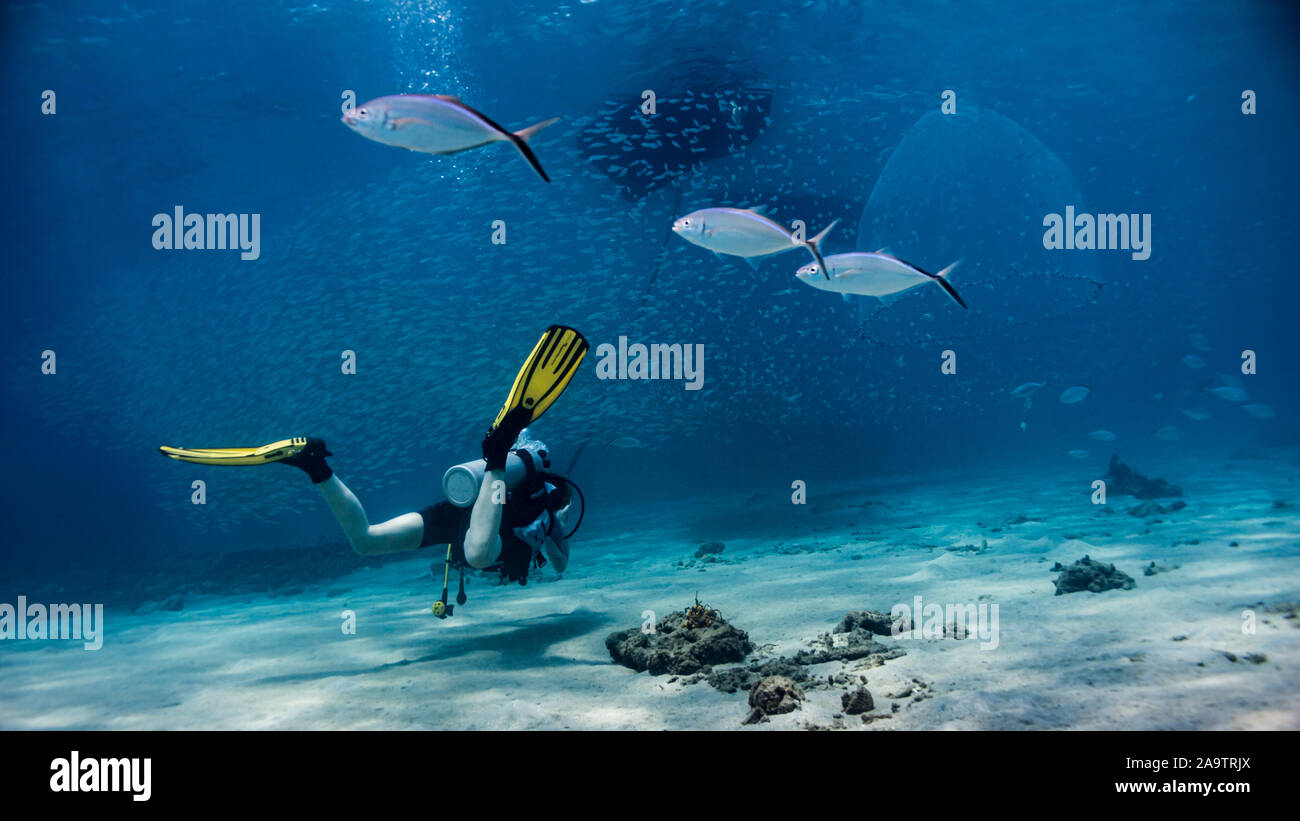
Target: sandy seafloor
[{"x": 534, "y": 657}]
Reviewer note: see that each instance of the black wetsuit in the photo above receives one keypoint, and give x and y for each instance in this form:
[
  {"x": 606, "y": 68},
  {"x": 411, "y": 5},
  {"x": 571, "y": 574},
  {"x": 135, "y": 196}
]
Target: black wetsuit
[{"x": 444, "y": 523}]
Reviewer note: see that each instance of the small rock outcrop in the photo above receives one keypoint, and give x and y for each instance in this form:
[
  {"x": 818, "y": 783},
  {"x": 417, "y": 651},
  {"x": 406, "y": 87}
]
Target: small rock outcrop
[
  {"x": 1153, "y": 508},
  {"x": 1153, "y": 568},
  {"x": 872, "y": 621},
  {"x": 680, "y": 644},
  {"x": 1090, "y": 575},
  {"x": 773, "y": 695},
  {"x": 734, "y": 679},
  {"x": 855, "y": 644},
  {"x": 709, "y": 549},
  {"x": 698, "y": 645},
  {"x": 1124, "y": 480},
  {"x": 856, "y": 702}
]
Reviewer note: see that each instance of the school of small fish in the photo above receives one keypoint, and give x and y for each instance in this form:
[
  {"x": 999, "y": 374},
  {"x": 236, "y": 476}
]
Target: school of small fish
[
  {"x": 1226, "y": 387},
  {"x": 596, "y": 249}
]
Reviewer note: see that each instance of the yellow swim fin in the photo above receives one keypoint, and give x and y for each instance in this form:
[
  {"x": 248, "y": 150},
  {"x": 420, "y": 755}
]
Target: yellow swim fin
[
  {"x": 545, "y": 374},
  {"x": 265, "y": 454}
]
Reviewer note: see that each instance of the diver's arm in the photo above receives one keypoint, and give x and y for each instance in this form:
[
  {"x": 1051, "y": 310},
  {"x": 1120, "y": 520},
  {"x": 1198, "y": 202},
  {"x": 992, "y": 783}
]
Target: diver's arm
[
  {"x": 483, "y": 539},
  {"x": 556, "y": 548}
]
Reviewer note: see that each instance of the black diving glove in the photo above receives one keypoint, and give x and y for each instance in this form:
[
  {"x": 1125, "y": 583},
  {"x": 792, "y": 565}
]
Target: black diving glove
[
  {"x": 500, "y": 439},
  {"x": 311, "y": 460}
]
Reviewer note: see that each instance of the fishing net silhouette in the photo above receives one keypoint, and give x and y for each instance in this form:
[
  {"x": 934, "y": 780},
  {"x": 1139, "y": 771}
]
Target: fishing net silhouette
[{"x": 973, "y": 185}]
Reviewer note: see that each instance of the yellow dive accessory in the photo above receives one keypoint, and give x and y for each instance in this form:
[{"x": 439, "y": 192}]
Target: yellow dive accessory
[
  {"x": 545, "y": 374},
  {"x": 265, "y": 454},
  {"x": 440, "y": 608}
]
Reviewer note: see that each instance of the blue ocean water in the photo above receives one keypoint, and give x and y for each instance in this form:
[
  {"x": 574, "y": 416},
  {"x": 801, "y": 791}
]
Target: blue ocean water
[{"x": 938, "y": 130}]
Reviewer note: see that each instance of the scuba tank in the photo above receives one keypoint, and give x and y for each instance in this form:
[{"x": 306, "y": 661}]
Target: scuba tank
[
  {"x": 461, "y": 482},
  {"x": 461, "y": 485}
]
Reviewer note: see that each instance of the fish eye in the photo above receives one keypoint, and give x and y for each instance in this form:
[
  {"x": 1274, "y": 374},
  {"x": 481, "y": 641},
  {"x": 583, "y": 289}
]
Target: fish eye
[{"x": 361, "y": 112}]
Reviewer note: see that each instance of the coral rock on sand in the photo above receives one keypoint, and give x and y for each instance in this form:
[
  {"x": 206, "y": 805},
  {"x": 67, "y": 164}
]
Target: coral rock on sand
[
  {"x": 1090, "y": 575},
  {"x": 680, "y": 645},
  {"x": 772, "y": 696},
  {"x": 1146, "y": 509},
  {"x": 857, "y": 644},
  {"x": 1152, "y": 508},
  {"x": 1124, "y": 480},
  {"x": 852, "y": 640},
  {"x": 1153, "y": 568},
  {"x": 709, "y": 548},
  {"x": 733, "y": 679},
  {"x": 857, "y": 701},
  {"x": 881, "y": 624},
  {"x": 689, "y": 643}
]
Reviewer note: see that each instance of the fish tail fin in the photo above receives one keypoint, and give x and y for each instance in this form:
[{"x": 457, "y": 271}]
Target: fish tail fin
[
  {"x": 520, "y": 139},
  {"x": 941, "y": 279},
  {"x": 817, "y": 240},
  {"x": 815, "y": 245}
]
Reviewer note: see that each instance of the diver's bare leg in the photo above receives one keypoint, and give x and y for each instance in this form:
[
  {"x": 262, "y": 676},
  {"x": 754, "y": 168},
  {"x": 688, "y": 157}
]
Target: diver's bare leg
[{"x": 393, "y": 536}]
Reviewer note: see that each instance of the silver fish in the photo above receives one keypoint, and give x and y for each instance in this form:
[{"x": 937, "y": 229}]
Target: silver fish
[
  {"x": 1229, "y": 393},
  {"x": 1074, "y": 394},
  {"x": 1168, "y": 433},
  {"x": 1103, "y": 436},
  {"x": 743, "y": 233},
  {"x": 1259, "y": 411},
  {"x": 1193, "y": 361},
  {"x": 1078, "y": 454},
  {"x": 436, "y": 124},
  {"x": 1027, "y": 391},
  {"x": 874, "y": 274}
]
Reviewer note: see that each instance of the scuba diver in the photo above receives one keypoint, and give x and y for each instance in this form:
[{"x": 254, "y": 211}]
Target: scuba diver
[{"x": 505, "y": 511}]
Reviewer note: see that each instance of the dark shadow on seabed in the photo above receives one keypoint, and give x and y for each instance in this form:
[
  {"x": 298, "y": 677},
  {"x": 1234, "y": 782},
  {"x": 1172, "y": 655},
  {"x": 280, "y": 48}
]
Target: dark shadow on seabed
[{"x": 522, "y": 647}]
